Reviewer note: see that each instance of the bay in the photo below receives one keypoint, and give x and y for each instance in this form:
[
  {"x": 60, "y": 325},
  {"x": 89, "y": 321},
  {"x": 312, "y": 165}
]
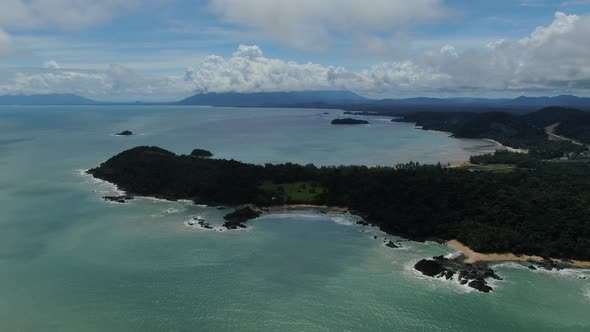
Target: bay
[{"x": 72, "y": 262}]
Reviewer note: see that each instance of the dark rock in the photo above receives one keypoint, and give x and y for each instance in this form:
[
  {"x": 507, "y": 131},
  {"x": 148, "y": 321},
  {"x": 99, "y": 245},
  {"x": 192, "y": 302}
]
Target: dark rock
[
  {"x": 472, "y": 274},
  {"x": 375, "y": 237},
  {"x": 429, "y": 267},
  {"x": 125, "y": 133},
  {"x": 391, "y": 244},
  {"x": 532, "y": 267},
  {"x": 480, "y": 285},
  {"x": 118, "y": 199},
  {"x": 549, "y": 264},
  {"x": 349, "y": 121},
  {"x": 236, "y": 219},
  {"x": 203, "y": 223},
  {"x": 362, "y": 223},
  {"x": 448, "y": 274}
]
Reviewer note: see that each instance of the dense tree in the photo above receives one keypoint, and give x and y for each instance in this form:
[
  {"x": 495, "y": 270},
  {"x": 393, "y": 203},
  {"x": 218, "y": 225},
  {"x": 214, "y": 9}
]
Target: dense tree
[{"x": 542, "y": 210}]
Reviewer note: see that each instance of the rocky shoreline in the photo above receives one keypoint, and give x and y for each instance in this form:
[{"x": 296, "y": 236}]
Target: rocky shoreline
[
  {"x": 473, "y": 275},
  {"x": 118, "y": 199},
  {"x": 236, "y": 219}
]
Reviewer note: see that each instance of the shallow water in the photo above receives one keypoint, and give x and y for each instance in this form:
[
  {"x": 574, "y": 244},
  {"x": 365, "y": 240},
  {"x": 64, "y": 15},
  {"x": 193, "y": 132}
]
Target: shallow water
[{"x": 71, "y": 262}]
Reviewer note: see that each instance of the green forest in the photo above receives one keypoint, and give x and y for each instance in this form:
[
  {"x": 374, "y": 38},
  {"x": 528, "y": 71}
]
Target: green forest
[{"x": 538, "y": 208}]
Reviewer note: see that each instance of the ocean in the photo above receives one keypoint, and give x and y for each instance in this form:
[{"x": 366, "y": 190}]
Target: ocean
[{"x": 71, "y": 262}]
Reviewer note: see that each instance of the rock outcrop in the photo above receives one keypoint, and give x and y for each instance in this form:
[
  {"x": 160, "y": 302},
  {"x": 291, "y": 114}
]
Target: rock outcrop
[
  {"x": 472, "y": 274},
  {"x": 125, "y": 133},
  {"x": 236, "y": 219},
  {"x": 118, "y": 199}
]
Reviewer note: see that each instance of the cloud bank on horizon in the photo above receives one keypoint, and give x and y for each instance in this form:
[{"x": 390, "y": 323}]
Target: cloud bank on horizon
[{"x": 550, "y": 59}]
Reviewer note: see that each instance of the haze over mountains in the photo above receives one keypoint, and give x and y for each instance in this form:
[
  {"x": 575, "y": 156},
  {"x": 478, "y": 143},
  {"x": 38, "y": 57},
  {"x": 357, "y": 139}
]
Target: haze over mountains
[
  {"x": 46, "y": 99},
  {"x": 274, "y": 98},
  {"x": 318, "y": 99}
]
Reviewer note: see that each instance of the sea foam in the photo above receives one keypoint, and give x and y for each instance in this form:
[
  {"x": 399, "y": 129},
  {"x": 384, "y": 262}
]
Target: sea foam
[
  {"x": 104, "y": 188},
  {"x": 453, "y": 284}
]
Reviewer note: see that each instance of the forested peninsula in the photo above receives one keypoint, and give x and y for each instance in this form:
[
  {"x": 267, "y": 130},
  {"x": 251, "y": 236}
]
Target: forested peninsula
[{"x": 539, "y": 208}]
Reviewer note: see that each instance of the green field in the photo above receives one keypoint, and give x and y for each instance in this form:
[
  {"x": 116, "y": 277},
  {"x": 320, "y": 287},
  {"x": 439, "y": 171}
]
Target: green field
[
  {"x": 497, "y": 168},
  {"x": 297, "y": 192}
]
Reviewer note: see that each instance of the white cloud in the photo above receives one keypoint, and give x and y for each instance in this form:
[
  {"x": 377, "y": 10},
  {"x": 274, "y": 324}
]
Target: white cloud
[
  {"x": 51, "y": 64},
  {"x": 313, "y": 24},
  {"x": 115, "y": 83},
  {"x": 552, "y": 59}
]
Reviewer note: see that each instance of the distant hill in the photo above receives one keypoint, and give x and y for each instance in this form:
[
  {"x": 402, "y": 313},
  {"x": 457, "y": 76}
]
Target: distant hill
[
  {"x": 551, "y": 115},
  {"x": 351, "y": 101},
  {"x": 290, "y": 99},
  {"x": 46, "y": 99},
  {"x": 507, "y": 128},
  {"x": 523, "y": 131},
  {"x": 573, "y": 123},
  {"x": 532, "y": 102},
  {"x": 562, "y": 100}
]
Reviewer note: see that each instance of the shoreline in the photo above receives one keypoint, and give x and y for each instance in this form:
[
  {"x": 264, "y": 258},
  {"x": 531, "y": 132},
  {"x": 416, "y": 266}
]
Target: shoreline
[
  {"x": 496, "y": 143},
  {"x": 470, "y": 254},
  {"x": 473, "y": 257},
  {"x": 507, "y": 148},
  {"x": 434, "y": 130}
]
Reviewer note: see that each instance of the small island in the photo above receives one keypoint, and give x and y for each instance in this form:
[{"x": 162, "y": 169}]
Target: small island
[
  {"x": 125, "y": 133},
  {"x": 200, "y": 153},
  {"x": 349, "y": 121}
]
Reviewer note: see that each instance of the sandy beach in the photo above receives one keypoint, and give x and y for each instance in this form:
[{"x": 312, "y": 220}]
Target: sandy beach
[
  {"x": 507, "y": 148},
  {"x": 473, "y": 256}
]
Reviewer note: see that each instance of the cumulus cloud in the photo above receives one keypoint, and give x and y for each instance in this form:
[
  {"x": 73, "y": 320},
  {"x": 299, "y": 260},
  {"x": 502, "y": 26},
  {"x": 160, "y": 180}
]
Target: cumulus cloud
[
  {"x": 51, "y": 64},
  {"x": 312, "y": 24},
  {"x": 552, "y": 59},
  {"x": 114, "y": 83}
]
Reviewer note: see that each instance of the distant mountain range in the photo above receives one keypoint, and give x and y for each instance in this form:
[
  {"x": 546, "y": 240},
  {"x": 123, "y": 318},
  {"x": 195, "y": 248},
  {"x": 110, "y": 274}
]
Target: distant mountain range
[
  {"x": 562, "y": 100},
  {"x": 343, "y": 98},
  {"x": 326, "y": 99},
  {"x": 46, "y": 99},
  {"x": 274, "y": 98}
]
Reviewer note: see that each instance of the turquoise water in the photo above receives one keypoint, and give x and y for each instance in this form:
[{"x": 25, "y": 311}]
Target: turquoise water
[{"x": 71, "y": 262}]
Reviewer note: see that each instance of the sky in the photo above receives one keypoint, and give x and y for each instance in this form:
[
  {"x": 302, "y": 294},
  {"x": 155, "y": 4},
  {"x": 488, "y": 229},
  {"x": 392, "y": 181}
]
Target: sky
[{"x": 125, "y": 50}]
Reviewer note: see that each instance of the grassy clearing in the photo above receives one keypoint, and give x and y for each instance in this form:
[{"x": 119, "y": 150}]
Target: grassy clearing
[
  {"x": 297, "y": 192},
  {"x": 497, "y": 168}
]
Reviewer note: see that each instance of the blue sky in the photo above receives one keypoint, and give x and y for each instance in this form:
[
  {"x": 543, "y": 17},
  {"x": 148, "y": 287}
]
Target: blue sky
[{"x": 110, "y": 48}]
